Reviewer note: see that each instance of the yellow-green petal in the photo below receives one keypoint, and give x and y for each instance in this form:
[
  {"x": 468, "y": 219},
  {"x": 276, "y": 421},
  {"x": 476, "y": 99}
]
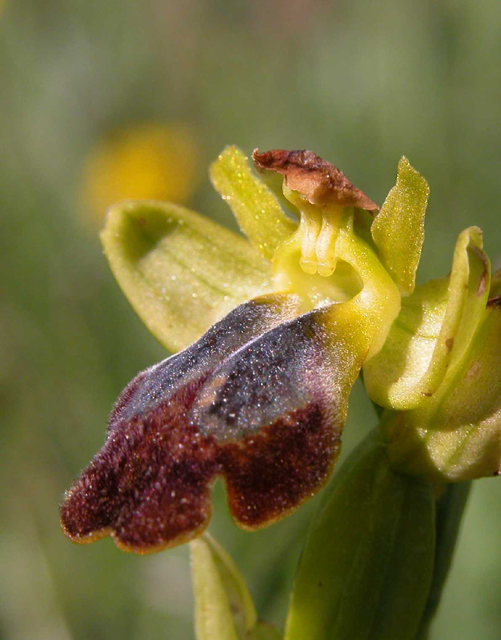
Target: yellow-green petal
[
  {"x": 256, "y": 209},
  {"x": 366, "y": 568},
  {"x": 223, "y": 604},
  {"x": 432, "y": 331},
  {"x": 180, "y": 271},
  {"x": 398, "y": 229}
]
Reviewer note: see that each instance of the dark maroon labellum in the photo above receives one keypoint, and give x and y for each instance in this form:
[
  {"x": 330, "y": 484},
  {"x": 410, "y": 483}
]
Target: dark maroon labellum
[{"x": 257, "y": 399}]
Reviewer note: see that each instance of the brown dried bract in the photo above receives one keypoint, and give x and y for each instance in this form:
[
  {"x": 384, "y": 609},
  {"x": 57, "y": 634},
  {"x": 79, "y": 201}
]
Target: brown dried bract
[{"x": 320, "y": 182}]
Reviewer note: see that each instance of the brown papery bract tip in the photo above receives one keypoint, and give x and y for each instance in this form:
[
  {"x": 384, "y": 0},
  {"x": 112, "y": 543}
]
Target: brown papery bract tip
[{"x": 317, "y": 180}]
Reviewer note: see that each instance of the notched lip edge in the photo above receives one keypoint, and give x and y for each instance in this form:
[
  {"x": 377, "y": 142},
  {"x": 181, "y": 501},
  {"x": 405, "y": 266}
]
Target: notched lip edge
[
  {"x": 176, "y": 542},
  {"x": 110, "y": 532},
  {"x": 87, "y": 538},
  {"x": 286, "y": 512}
]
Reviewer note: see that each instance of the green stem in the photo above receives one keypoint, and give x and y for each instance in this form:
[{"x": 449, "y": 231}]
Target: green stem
[
  {"x": 378, "y": 409},
  {"x": 450, "y": 508}
]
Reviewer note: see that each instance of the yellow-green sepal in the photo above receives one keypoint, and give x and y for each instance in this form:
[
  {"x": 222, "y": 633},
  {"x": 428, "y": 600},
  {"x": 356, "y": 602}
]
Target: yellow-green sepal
[
  {"x": 433, "y": 330},
  {"x": 457, "y": 435},
  {"x": 223, "y": 605},
  {"x": 180, "y": 271},
  {"x": 398, "y": 229},
  {"x": 255, "y": 207},
  {"x": 367, "y": 565}
]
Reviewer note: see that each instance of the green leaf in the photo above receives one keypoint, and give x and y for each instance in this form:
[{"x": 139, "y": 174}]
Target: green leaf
[
  {"x": 223, "y": 606},
  {"x": 180, "y": 271},
  {"x": 256, "y": 209},
  {"x": 449, "y": 512},
  {"x": 432, "y": 332},
  {"x": 398, "y": 229},
  {"x": 367, "y": 565}
]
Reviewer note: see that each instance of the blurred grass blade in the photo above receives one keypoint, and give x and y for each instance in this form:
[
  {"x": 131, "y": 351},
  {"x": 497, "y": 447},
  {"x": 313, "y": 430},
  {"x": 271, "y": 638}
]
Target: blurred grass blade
[
  {"x": 223, "y": 606},
  {"x": 255, "y": 207},
  {"x": 398, "y": 229},
  {"x": 367, "y": 564},
  {"x": 180, "y": 271},
  {"x": 263, "y": 631}
]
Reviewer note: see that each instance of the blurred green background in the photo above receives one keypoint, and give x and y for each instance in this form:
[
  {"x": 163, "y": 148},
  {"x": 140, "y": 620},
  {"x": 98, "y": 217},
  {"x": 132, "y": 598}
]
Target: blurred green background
[{"x": 118, "y": 98}]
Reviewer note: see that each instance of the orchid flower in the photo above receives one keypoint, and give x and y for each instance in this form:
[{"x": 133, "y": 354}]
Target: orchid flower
[{"x": 270, "y": 333}]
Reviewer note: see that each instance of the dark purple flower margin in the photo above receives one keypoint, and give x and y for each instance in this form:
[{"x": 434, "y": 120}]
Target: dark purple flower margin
[{"x": 260, "y": 399}]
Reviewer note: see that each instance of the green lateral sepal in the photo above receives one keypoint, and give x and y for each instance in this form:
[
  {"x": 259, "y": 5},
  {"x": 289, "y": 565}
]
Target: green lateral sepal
[{"x": 180, "y": 271}]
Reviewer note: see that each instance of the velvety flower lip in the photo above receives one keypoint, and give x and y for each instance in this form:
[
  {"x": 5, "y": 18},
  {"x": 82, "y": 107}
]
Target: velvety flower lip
[
  {"x": 319, "y": 181},
  {"x": 260, "y": 399}
]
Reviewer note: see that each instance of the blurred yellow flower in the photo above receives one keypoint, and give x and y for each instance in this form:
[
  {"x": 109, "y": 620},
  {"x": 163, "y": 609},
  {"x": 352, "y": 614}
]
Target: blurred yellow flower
[{"x": 146, "y": 161}]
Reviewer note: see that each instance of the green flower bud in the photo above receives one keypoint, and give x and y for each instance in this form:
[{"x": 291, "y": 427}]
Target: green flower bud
[
  {"x": 456, "y": 435},
  {"x": 433, "y": 330},
  {"x": 440, "y": 369}
]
